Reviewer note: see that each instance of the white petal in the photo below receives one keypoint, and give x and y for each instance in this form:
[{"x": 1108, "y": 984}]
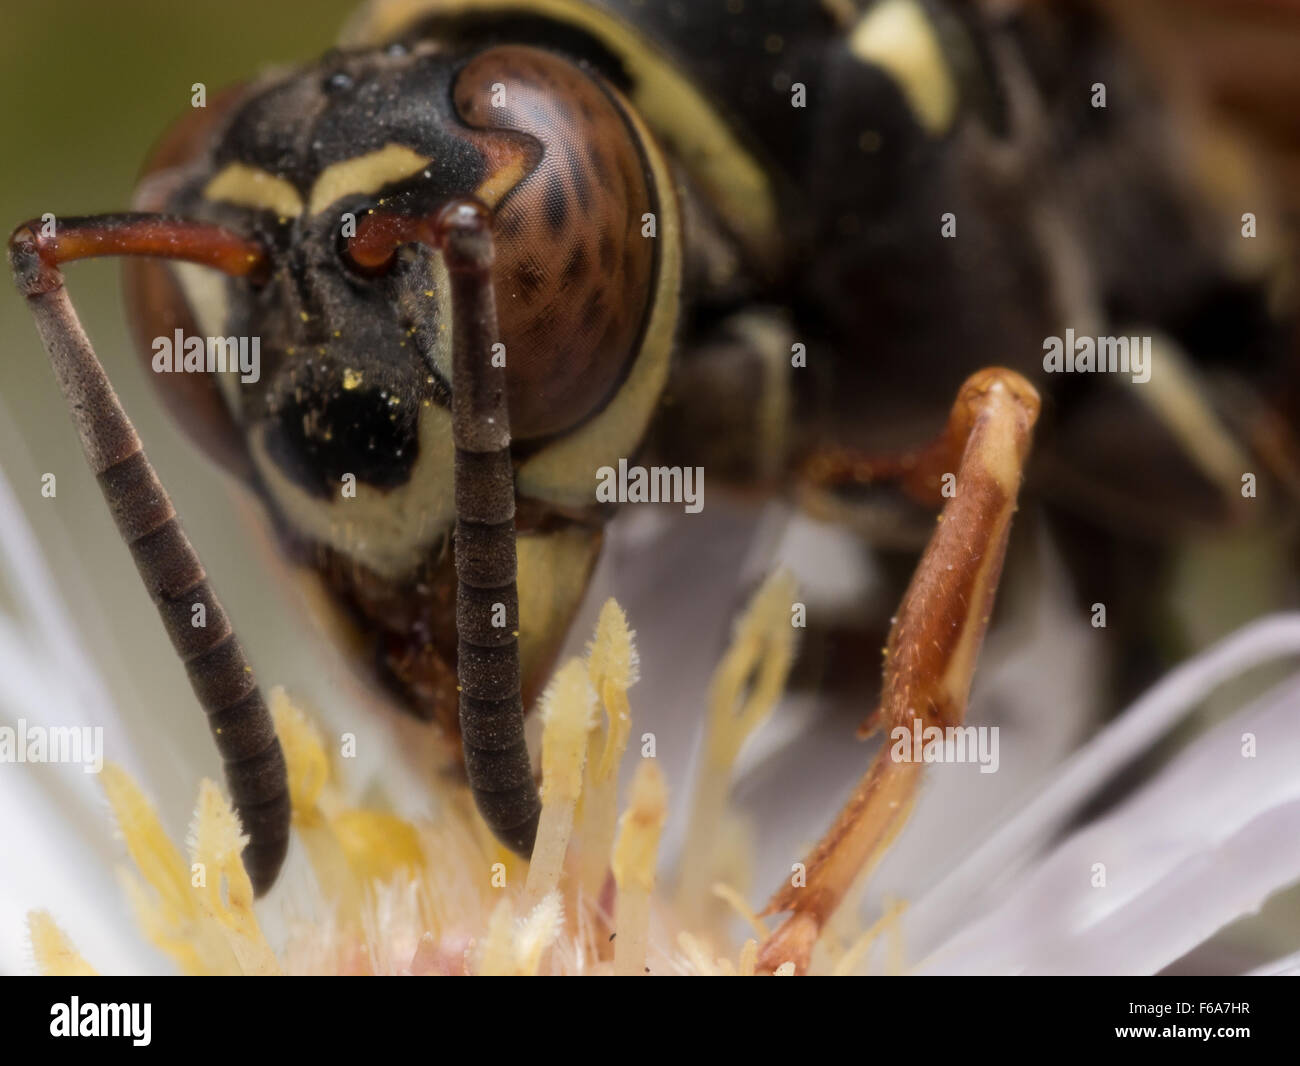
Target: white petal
[{"x": 1207, "y": 841}]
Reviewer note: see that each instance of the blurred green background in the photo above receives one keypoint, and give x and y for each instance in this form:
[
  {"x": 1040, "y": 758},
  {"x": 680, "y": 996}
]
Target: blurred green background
[{"x": 88, "y": 87}]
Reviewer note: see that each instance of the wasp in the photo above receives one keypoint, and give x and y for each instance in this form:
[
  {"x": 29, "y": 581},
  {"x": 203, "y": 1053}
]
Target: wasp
[{"x": 491, "y": 248}]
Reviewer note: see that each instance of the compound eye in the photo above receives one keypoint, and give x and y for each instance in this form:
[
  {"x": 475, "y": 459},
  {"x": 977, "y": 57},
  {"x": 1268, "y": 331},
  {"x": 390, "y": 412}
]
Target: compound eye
[{"x": 573, "y": 272}]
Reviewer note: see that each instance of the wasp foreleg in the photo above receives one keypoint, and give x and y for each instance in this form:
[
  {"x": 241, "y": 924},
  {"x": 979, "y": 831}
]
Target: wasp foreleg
[{"x": 934, "y": 642}]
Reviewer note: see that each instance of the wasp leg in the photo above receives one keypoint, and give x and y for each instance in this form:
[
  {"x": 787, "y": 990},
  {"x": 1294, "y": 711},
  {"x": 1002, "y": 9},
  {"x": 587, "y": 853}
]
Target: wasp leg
[
  {"x": 934, "y": 642},
  {"x": 487, "y": 601},
  {"x": 168, "y": 565}
]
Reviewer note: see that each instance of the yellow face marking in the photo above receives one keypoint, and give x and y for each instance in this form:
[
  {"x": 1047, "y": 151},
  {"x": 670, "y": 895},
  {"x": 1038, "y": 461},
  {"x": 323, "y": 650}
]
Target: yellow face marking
[
  {"x": 390, "y": 531},
  {"x": 897, "y": 36},
  {"x": 672, "y": 106},
  {"x": 205, "y": 292},
  {"x": 553, "y": 572},
  {"x": 248, "y": 186},
  {"x": 365, "y": 174}
]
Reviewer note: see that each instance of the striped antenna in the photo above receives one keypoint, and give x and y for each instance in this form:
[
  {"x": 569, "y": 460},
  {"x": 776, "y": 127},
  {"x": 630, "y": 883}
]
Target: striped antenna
[
  {"x": 165, "y": 558},
  {"x": 487, "y": 602}
]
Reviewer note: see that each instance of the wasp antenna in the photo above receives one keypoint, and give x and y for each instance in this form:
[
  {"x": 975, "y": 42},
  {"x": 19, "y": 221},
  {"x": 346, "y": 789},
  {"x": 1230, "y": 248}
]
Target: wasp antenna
[
  {"x": 37, "y": 249},
  {"x": 487, "y": 602},
  {"x": 165, "y": 558}
]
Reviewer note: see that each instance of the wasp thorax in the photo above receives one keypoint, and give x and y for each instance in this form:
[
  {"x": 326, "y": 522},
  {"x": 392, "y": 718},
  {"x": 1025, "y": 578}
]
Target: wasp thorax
[{"x": 573, "y": 271}]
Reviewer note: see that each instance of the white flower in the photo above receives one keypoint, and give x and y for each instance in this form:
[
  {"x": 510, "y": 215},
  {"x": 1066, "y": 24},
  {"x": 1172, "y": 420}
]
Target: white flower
[{"x": 996, "y": 878}]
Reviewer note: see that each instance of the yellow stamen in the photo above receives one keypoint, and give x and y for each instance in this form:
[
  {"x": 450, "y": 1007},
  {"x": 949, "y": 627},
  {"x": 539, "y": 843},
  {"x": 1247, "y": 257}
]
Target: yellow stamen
[
  {"x": 568, "y": 706},
  {"x": 744, "y": 691},
  {"x": 55, "y": 956},
  {"x": 635, "y": 853},
  {"x": 612, "y": 665},
  {"x": 852, "y": 960},
  {"x": 738, "y": 903},
  {"x": 515, "y": 949},
  {"x": 217, "y": 852}
]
